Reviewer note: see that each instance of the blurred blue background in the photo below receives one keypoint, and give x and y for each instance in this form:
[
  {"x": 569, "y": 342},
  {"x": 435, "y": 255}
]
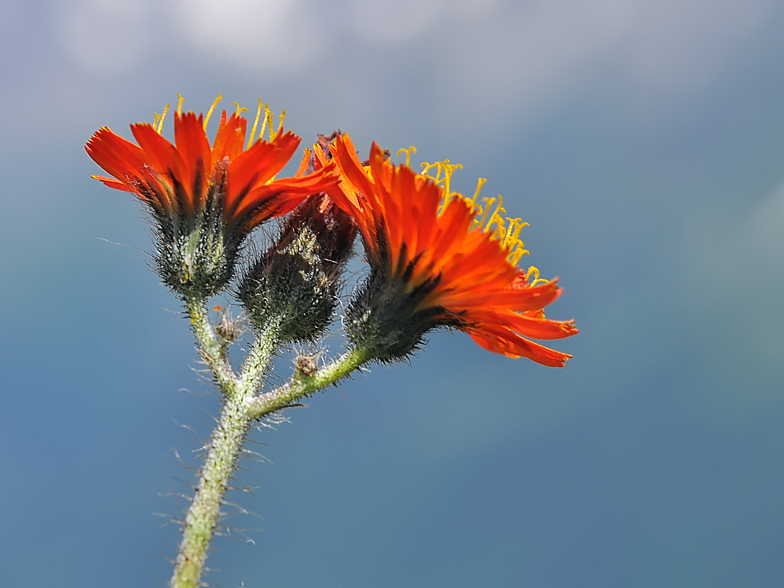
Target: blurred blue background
[{"x": 644, "y": 142}]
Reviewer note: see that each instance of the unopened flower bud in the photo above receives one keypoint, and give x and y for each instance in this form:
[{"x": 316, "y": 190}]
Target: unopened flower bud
[{"x": 293, "y": 287}]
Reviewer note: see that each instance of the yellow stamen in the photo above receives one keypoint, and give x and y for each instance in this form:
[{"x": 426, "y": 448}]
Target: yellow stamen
[
  {"x": 265, "y": 120},
  {"x": 209, "y": 112},
  {"x": 158, "y": 124},
  {"x": 476, "y": 208},
  {"x": 408, "y": 153},
  {"x": 447, "y": 169},
  {"x": 516, "y": 254},
  {"x": 512, "y": 243},
  {"x": 533, "y": 271},
  {"x": 497, "y": 219},
  {"x": 488, "y": 203},
  {"x": 512, "y": 235},
  {"x": 255, "y": 124},
  {"x": 268, "y": 117},
  {"x": 179, "y": 105},
  {"x": 479, "y": 183},
  {"x": 268, "y": 124},
  {"x": 428, "y": 166},
  {"x": 239, "y": 108},
  {"x": 500, "y": 227}
]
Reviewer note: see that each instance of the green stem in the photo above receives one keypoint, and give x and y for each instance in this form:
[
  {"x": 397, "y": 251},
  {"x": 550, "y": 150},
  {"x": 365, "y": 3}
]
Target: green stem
[
  {"x": 301, "y": 385},
  {"x": 241, "y": 407},
  {"x": 202, "y": 518},
  {"x": 211, "y": 350},
  {"x": 257, "y": 360},
  {"x": 226, "y": 442}
]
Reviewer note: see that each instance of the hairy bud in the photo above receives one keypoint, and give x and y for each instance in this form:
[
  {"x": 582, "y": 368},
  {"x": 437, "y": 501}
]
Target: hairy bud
[{"x": 294, "y": 285}]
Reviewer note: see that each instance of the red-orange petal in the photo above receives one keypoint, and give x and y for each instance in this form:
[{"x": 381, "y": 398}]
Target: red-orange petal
[
  {"x": 120, "y": 158},
  {"x": 194, "y": 147},
  {"x": 513, "y": 345}
]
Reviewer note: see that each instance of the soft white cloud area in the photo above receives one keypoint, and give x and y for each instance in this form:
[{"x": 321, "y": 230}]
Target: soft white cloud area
[
  {"x": 106, "y": 37},
  {"x": 493, "y": 56},
  {"x": 259, "y": 34},
  {"x": 535, "y": 54}
]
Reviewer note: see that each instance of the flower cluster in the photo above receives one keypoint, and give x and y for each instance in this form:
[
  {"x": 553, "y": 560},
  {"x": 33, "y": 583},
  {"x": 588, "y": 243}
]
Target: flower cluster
[{"x": 431, "y": 262}]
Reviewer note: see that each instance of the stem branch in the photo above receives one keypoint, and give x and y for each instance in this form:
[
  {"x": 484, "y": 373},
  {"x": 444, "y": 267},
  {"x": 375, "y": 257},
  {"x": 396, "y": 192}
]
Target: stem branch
[
  {"x": 211, "y": 350},
  {"x": 301, "y": 385},
  {"x": 241, "y": 406},
  {"x": 226, "y": 442}
]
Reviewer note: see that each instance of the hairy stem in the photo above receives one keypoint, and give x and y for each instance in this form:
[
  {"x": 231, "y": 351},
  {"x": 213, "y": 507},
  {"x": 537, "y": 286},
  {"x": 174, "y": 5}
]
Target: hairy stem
[
  {"x": 226, "y": 442},
  {"x": 241, "y": 407},
  {"x": 301, "y": 385},
  {"x": 209, "y": 347}
]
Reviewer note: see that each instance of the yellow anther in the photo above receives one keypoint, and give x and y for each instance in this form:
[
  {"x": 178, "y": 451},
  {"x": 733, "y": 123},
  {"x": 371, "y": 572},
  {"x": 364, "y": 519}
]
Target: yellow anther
[
  {"x": 157, "y": 122},
  {"x": 428, "y": 166},
  {"x": 512, "y": 235},
  {"x": 163, "y": 117},
  {"x": 496, "y": 224},
  {"x": 264, "y": 121},
  {"x": 479, "y": 183},
  {"x": 255, "y": 124},
  {"x": 443, "y": 167},
  {"x": 488, "y": 203},
  {"x": 239, "y": 108},
  {"x": 179, "y": 105},
  {"x": 268, "y": 118},
  {"x": 449, "y": 169},
  {"x": 533, "y": 271},
  {"x": 496, "y": 219},
  {"x": 408, "y": 153},
  {"x": 515, "y": 254},
  {"x": 209, "y": 112}
]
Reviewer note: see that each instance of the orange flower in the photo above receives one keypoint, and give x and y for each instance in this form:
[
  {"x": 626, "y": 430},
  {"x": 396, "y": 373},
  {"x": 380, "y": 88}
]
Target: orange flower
[
  {"x": 430, "y": 269},
  {"x": 205, "y": 199}
]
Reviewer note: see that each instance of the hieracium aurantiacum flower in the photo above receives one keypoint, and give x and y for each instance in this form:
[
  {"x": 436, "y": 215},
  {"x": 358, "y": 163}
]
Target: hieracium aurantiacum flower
[
  {"x": 205, "y": 199},
  {"x": 433, "y": 264}
]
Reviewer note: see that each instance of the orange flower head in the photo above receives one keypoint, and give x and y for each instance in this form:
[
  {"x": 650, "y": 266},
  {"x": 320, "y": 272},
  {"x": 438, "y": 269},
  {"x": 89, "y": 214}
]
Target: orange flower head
[
  {"x": 205, "y": 199},
  {"x": 433, "y": 265}
]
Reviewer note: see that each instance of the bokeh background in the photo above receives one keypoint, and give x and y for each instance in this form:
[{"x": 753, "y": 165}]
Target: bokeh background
[{"x": 644, "y": 142}]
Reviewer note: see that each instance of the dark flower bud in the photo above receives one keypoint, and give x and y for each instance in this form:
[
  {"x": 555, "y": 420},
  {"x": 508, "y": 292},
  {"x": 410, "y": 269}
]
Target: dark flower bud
[{"x": 293, "y": 287}]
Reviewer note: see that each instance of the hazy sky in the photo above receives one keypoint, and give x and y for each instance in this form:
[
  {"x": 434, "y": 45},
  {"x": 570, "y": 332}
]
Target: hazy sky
[{"x": 643, "y": 141}]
